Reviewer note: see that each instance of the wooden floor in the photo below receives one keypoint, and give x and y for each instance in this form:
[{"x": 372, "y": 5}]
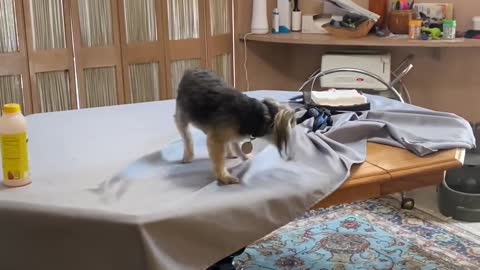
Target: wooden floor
[{"x": 390, "y": 170}]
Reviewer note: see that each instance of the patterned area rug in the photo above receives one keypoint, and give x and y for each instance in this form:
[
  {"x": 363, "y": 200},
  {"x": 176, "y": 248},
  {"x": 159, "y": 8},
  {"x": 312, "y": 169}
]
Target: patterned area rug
[{"x": 374, "y": 234}]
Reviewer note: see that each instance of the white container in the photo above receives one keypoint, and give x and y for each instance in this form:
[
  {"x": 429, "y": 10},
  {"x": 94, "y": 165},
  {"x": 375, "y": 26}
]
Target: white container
[
  {"x": 259, "y": 17},
  {"x": 285, "y": 12},
  {"x": 476, "y": 23},
  {"x": 378, "y": 63},
  {"x": 296, "y": 21},
  {"x": 275, "y": 21},
  {"x": 13, "y": 133}
]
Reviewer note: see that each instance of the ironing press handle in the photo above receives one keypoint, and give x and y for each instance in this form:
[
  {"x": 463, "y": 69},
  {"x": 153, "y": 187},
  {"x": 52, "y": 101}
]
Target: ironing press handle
[{"x": 352, "y": 70}]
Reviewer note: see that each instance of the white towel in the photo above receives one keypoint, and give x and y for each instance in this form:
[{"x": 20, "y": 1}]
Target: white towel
[{"x": 333, "y": 97}]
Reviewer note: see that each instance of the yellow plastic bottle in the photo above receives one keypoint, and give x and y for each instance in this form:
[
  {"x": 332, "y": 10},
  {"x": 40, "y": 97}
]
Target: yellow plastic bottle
[{"x": 13, "y": 133}]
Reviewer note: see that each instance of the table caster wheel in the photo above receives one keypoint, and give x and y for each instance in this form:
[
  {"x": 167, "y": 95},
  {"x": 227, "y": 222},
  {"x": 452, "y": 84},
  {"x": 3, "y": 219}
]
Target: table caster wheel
[
  {"x": 222, "y": 266},
  {"x": 227, "y": 263},
  {"x": 408, "y": 203}
]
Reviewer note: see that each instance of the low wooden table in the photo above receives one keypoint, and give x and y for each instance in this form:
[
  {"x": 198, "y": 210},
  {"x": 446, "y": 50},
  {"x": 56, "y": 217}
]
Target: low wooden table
[{"x": 390, "y": 170}]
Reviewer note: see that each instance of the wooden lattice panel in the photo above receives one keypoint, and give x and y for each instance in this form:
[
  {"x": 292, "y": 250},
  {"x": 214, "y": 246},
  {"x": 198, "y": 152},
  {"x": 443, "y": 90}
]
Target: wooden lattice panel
[
  {"x": 14, "y": 73},
  {"x": 143, "y": 49},
  {"x": 96, "y": 36},
  {"x": 47, "y": 24}
]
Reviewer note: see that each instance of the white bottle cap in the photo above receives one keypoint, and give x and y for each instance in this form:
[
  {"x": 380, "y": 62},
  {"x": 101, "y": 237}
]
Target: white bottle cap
[{"x": 476, "y": 23}]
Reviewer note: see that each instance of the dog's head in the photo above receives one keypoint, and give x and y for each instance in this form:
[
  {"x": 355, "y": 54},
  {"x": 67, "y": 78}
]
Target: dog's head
[{"x": 281, "y": 127}]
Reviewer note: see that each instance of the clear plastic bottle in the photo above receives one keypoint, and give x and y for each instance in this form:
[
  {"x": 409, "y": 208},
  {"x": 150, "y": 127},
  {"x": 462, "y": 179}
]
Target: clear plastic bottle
[
  {"x": 449, "y": 29},
  {"x": 13, "y": 133}
]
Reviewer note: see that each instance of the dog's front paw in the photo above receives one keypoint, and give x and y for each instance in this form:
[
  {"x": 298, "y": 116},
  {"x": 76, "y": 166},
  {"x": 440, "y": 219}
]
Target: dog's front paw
[
  {"x": 228, "y": 180},
  {"x": 187, "y": 159}
]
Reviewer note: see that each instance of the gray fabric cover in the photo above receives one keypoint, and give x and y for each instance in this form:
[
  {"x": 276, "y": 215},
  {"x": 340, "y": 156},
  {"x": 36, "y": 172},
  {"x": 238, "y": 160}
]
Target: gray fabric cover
[{"x": 109, "y": 192}]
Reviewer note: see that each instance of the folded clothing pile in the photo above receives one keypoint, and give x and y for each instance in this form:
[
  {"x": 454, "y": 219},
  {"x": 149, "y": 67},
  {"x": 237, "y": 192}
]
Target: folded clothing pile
[
  {"x": 324, "y": 104},
  {"x": 322, "y": 118}
]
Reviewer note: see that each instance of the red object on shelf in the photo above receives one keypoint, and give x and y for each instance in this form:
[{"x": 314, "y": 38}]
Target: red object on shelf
[{"x": 379, "y": 7}]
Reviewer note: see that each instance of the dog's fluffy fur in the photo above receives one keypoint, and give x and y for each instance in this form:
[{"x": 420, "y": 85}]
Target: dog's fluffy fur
[{"x": 227, "y": 116}]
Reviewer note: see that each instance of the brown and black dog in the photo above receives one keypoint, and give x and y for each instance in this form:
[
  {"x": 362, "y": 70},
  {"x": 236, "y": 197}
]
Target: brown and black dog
[{"x": 227, "y": 116}]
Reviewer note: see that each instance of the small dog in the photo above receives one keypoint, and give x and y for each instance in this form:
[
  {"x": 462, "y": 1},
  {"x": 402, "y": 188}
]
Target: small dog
[{"x": 227, "y": 116}]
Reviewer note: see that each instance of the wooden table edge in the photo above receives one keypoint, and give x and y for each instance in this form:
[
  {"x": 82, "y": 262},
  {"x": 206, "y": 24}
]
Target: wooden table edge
[{"x": 391, "y": 182}]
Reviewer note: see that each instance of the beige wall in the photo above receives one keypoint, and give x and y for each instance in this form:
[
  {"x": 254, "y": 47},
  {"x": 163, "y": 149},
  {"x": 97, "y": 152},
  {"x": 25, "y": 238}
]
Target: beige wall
[{"x": 449, "y": 83}]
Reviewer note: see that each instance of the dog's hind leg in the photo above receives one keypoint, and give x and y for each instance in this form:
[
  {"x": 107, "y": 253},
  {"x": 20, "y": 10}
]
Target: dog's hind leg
[
  {"x": 216, "y": 150},
  {"x": 229, "y": 151},
  {"x": 182, "y": 126}
]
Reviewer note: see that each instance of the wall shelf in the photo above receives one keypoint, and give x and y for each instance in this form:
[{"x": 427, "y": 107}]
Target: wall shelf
[{"x": 370, "y": 41}]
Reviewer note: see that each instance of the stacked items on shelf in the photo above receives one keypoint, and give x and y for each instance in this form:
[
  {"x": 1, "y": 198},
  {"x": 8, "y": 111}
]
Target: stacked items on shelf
[
  {"x": 344, "y": 19},
  {"x": 354, "y": 21}
]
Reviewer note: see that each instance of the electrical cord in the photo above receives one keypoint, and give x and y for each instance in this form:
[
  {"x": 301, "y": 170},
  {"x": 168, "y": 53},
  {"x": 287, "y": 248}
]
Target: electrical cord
[
  {"x": 398, "y": 77},
  {"x": 354, "y": 70},
  {"x": 312, "y": 77},
  {"x": 245, "y": 69}
]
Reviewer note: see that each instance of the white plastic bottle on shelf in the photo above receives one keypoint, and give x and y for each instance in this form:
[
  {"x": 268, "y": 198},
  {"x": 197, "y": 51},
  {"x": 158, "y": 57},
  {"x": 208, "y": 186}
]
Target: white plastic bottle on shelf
[
  {"x": 259, "y": 24},
  {"x": 285, "y": 12},
  {"x": 13, "y": 133},
  {"x": 275, "y": 21},
  {"x": 296, "y": 18}
]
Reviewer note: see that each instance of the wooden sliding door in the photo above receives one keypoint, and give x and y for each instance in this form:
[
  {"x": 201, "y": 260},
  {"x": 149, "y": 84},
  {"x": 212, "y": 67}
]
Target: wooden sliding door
[
  {"x": 50, "y": 54},
  {"x": 219, "y": 38},
  {"x": 14, "y": 73},
  {"x": 186, "y": 47},
  {"x": 67, "y": 54},
  {"x": 143, "y": 50},
  {"x": 98, "y": 62}
]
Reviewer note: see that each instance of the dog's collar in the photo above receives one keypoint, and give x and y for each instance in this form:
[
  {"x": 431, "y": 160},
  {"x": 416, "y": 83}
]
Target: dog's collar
[{"x": 247, "y": 146}]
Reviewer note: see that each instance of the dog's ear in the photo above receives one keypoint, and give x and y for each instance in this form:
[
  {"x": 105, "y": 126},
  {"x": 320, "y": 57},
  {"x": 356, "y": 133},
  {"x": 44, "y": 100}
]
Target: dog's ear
[
  {"x": 272, "y": 102},
  {"x": 272, "y": 109},
  {"x": 283, "y": 125}
]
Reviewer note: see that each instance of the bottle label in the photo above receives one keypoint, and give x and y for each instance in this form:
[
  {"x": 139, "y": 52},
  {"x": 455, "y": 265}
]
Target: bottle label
[{"x": 15, "y": 156}]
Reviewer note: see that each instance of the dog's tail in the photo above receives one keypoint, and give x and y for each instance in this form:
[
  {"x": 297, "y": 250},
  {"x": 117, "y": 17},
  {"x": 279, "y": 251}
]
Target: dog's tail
[{"x": 283, "y": 125}]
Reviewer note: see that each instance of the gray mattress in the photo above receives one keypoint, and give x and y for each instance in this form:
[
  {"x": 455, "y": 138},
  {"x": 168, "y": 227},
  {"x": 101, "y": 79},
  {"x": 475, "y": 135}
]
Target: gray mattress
[{"x": 109, "y": 191}]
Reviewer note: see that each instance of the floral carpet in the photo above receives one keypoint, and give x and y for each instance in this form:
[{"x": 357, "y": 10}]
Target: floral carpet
[{"x": 373, "y": 234}]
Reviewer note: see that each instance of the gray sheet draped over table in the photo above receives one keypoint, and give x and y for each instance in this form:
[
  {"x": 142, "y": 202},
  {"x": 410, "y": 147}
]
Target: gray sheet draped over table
[{"x": 109, "y": 192}]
